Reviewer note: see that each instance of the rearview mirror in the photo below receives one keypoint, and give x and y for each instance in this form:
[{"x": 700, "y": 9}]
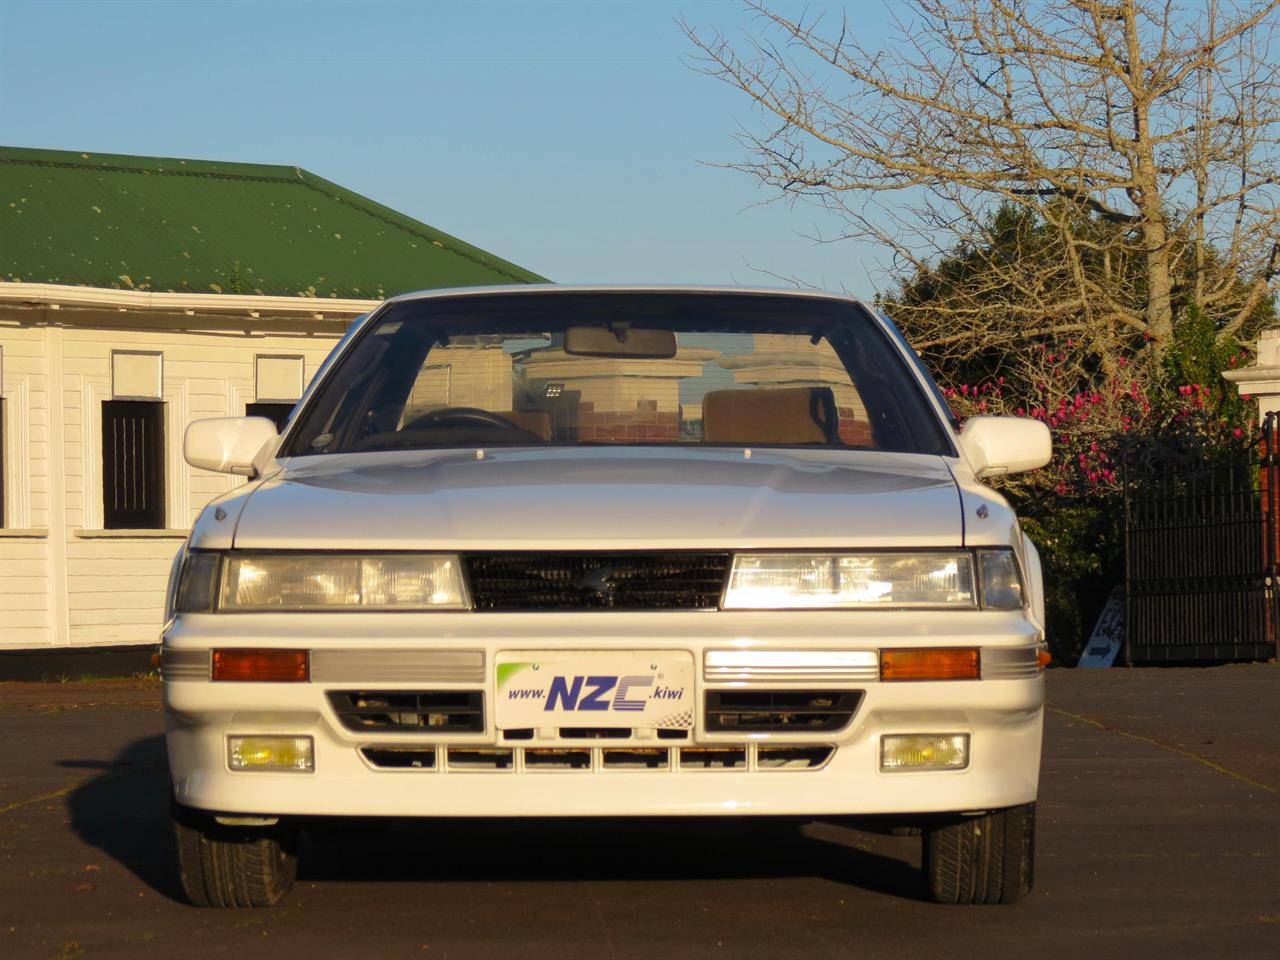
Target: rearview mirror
[
  {"x": 227, "y": 444},
  {"x": 1004, "y": 445},
  {"x": 620, "y": 342}
]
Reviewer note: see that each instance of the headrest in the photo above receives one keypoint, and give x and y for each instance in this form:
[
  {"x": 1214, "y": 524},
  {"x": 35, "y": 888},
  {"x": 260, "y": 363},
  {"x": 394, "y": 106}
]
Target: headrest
[
  {"x": 535, "y": 421},
  {"x": 784, "y": 415}
]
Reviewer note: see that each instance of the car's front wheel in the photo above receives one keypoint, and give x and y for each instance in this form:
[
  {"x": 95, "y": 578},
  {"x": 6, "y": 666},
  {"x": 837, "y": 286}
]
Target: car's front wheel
[
  {"x": 228, "y": 866},
  {"x": 982, "y": 859}
]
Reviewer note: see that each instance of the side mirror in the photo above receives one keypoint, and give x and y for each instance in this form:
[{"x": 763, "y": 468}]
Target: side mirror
[
  {"x": 1003, "y": 445},
  {"x": 227, "y": 444}
]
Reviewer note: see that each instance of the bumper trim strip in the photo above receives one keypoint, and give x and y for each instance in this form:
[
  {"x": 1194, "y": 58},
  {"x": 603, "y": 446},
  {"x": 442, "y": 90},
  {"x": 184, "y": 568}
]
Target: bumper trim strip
[
  {"x": 790, "y": 666},
  {"x": 400, "y": 666},
  {"x": 184, "y": 664},
  {"x": 1004, "y": 663}
]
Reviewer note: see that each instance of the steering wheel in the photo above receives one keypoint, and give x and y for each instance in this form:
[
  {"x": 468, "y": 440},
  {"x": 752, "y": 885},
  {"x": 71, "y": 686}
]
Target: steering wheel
[{"x": 465, "y": 415}]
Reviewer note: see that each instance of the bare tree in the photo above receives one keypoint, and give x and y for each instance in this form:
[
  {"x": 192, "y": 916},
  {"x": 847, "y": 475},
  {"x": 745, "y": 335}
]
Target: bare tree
[{"x": 1141, "y": 138}]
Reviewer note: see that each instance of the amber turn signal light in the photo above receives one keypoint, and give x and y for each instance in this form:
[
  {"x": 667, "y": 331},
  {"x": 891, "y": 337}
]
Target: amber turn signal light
[
  {"x": 1043, "y": 658},
  {"x": 280, "y": 666},
  {"x": 937, "y": 663}
]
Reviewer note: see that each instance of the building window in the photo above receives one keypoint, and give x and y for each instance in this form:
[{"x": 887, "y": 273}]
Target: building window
[
  {"x": 133, "y": 464},
  {"x": 2, "y": 467},
  {"x": 277, "y": 413}
]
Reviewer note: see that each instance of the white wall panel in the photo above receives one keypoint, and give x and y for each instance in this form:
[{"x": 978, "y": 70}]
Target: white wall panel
[
  {"x": 278, "y": 378},
  {"x": 112, "y": 587},
  {"x": 137, "y": 376}
]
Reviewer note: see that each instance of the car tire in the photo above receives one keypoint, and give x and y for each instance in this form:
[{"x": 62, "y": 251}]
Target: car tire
[
  {"x": 223, "y": 866},
  {"x": 983, "y": 859}
]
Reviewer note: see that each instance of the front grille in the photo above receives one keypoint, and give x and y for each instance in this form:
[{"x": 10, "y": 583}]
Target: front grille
[
  {"x": 455, "y": 759},
  {"x": 596, "y": 581},
  {"x": 781, "y": 711},
  {"x": 440, "y": 711}
]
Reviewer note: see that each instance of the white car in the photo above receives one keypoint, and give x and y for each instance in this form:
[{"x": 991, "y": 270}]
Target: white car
[{"x": 556, "y": 551}]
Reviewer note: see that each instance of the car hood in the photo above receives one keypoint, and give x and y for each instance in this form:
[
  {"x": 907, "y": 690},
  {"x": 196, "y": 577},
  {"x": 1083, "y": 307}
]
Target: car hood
[{"x": 603, "y": 498}]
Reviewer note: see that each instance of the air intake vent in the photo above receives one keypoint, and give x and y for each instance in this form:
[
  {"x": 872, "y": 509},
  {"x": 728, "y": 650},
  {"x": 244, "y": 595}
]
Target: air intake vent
[
  {"x": 552, "y": 758},
  {"x": 713, "y": 758},
  {"x": 636, "y": 758},
  {"x": 781, "y": 711},
  {"x": 595, "y": 733},
  {"x": 439, "y": 711},
  {"x": 481, "y": 758},
  {"x": 401, "y": 758},
  {"x": 770, "y": 757},
  {"x": 596, "y": 581}
]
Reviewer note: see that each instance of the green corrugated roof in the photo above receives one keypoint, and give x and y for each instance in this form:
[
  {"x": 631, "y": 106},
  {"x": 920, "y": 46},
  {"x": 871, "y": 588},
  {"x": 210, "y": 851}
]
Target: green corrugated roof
[{"x": 198, "y": 226}]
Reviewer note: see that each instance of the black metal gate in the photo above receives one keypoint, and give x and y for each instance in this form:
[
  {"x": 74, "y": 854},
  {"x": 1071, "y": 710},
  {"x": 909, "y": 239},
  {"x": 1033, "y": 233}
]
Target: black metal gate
[{"x": 1200, "y": 559}]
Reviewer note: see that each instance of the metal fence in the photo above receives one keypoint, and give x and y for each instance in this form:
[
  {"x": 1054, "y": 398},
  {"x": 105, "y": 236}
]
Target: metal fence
[{"x": 1200, "y": 559}]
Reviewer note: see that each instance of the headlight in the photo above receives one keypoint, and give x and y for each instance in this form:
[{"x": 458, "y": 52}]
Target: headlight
[
  {"x": 198, "y": 582},
  {"x": 297, "y": 581},
  {"x": 767, "y": 581},
  {"x": 1001, "y": 582}
]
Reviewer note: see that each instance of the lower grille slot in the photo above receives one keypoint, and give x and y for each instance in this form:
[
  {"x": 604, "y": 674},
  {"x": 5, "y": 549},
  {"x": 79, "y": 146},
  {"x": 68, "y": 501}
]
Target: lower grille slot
[
  {"x": 792, "y": 758},
  {"x": 401, "y": 758},
  {"x": 440, "y": 711},
  {"x": 481, "y": 758},
  {"x": 552, "y": 758},
  {"x": 595, "y": 733},
  {"x": 781, "y": 711},
  {"x": 713, "y": 758},
  {"x": 635, "y": 758}
]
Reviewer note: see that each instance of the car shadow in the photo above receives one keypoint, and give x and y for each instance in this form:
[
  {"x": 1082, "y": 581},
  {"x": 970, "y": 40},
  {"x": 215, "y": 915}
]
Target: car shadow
[
  {"x": 608, "y": 849},
  {"x": 124, "y": 812}
]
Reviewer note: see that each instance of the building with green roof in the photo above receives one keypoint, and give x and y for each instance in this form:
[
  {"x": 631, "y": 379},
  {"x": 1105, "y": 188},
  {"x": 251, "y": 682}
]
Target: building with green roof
[
  {"x": 138, "y": 294},
  {"x": 198, "y": 226}
]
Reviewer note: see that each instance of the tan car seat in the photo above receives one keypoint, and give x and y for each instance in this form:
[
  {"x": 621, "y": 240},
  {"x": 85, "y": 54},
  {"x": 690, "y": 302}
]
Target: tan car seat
[
  {"x": 784, "y": 415},
  {"x": 535, "y": 421}
]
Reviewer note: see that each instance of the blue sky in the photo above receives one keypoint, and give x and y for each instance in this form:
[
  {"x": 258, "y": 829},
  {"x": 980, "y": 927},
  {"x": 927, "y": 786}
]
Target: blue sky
[{"x": 572, "y": 138}]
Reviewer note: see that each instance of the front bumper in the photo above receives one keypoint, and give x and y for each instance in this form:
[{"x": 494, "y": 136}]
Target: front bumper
[{"x": 1002, "y": 717}]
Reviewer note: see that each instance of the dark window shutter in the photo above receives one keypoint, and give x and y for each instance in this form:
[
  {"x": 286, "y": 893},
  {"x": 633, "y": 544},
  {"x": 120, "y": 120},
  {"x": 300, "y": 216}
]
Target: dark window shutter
[
  {"x": 133, "y": 464},
  {"x": 277, "y": 413},
  {"x": 2, "y": 468}
]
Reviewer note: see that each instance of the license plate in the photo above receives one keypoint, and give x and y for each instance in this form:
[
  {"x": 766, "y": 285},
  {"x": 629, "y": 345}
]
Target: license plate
[{"x": 577, "y": 688}]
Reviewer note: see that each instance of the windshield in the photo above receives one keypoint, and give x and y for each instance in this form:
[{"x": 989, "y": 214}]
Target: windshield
[{"x": 571, "y": 368}]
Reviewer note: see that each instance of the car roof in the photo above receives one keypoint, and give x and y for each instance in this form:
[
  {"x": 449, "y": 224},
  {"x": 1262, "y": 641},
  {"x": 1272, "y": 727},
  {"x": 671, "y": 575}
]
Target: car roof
[{"x": 537, "y": 288}]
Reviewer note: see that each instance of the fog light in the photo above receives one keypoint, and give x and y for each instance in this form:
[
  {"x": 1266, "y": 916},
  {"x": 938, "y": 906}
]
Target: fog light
[
  {"x": 924, "y": 751},
  {"x": 295, "y": 754}
]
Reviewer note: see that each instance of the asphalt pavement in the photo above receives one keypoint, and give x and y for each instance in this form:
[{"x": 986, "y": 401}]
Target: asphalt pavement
[{"x": 1158, "y": 835}]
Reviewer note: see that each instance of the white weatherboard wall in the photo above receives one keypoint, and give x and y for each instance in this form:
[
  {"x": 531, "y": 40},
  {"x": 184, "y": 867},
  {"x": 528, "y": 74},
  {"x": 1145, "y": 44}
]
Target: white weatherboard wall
[{"x": 64, "y": 580}]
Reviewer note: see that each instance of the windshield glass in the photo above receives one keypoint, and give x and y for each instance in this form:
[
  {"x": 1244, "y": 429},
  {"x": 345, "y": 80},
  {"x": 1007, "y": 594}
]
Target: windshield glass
[{"x": 567, "y": 368}]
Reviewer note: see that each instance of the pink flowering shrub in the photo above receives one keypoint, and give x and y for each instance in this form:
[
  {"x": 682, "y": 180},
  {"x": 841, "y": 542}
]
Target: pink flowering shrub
[
  {"x": 1094, "y": 428},
  {"x": 1127, "y": 413}
]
